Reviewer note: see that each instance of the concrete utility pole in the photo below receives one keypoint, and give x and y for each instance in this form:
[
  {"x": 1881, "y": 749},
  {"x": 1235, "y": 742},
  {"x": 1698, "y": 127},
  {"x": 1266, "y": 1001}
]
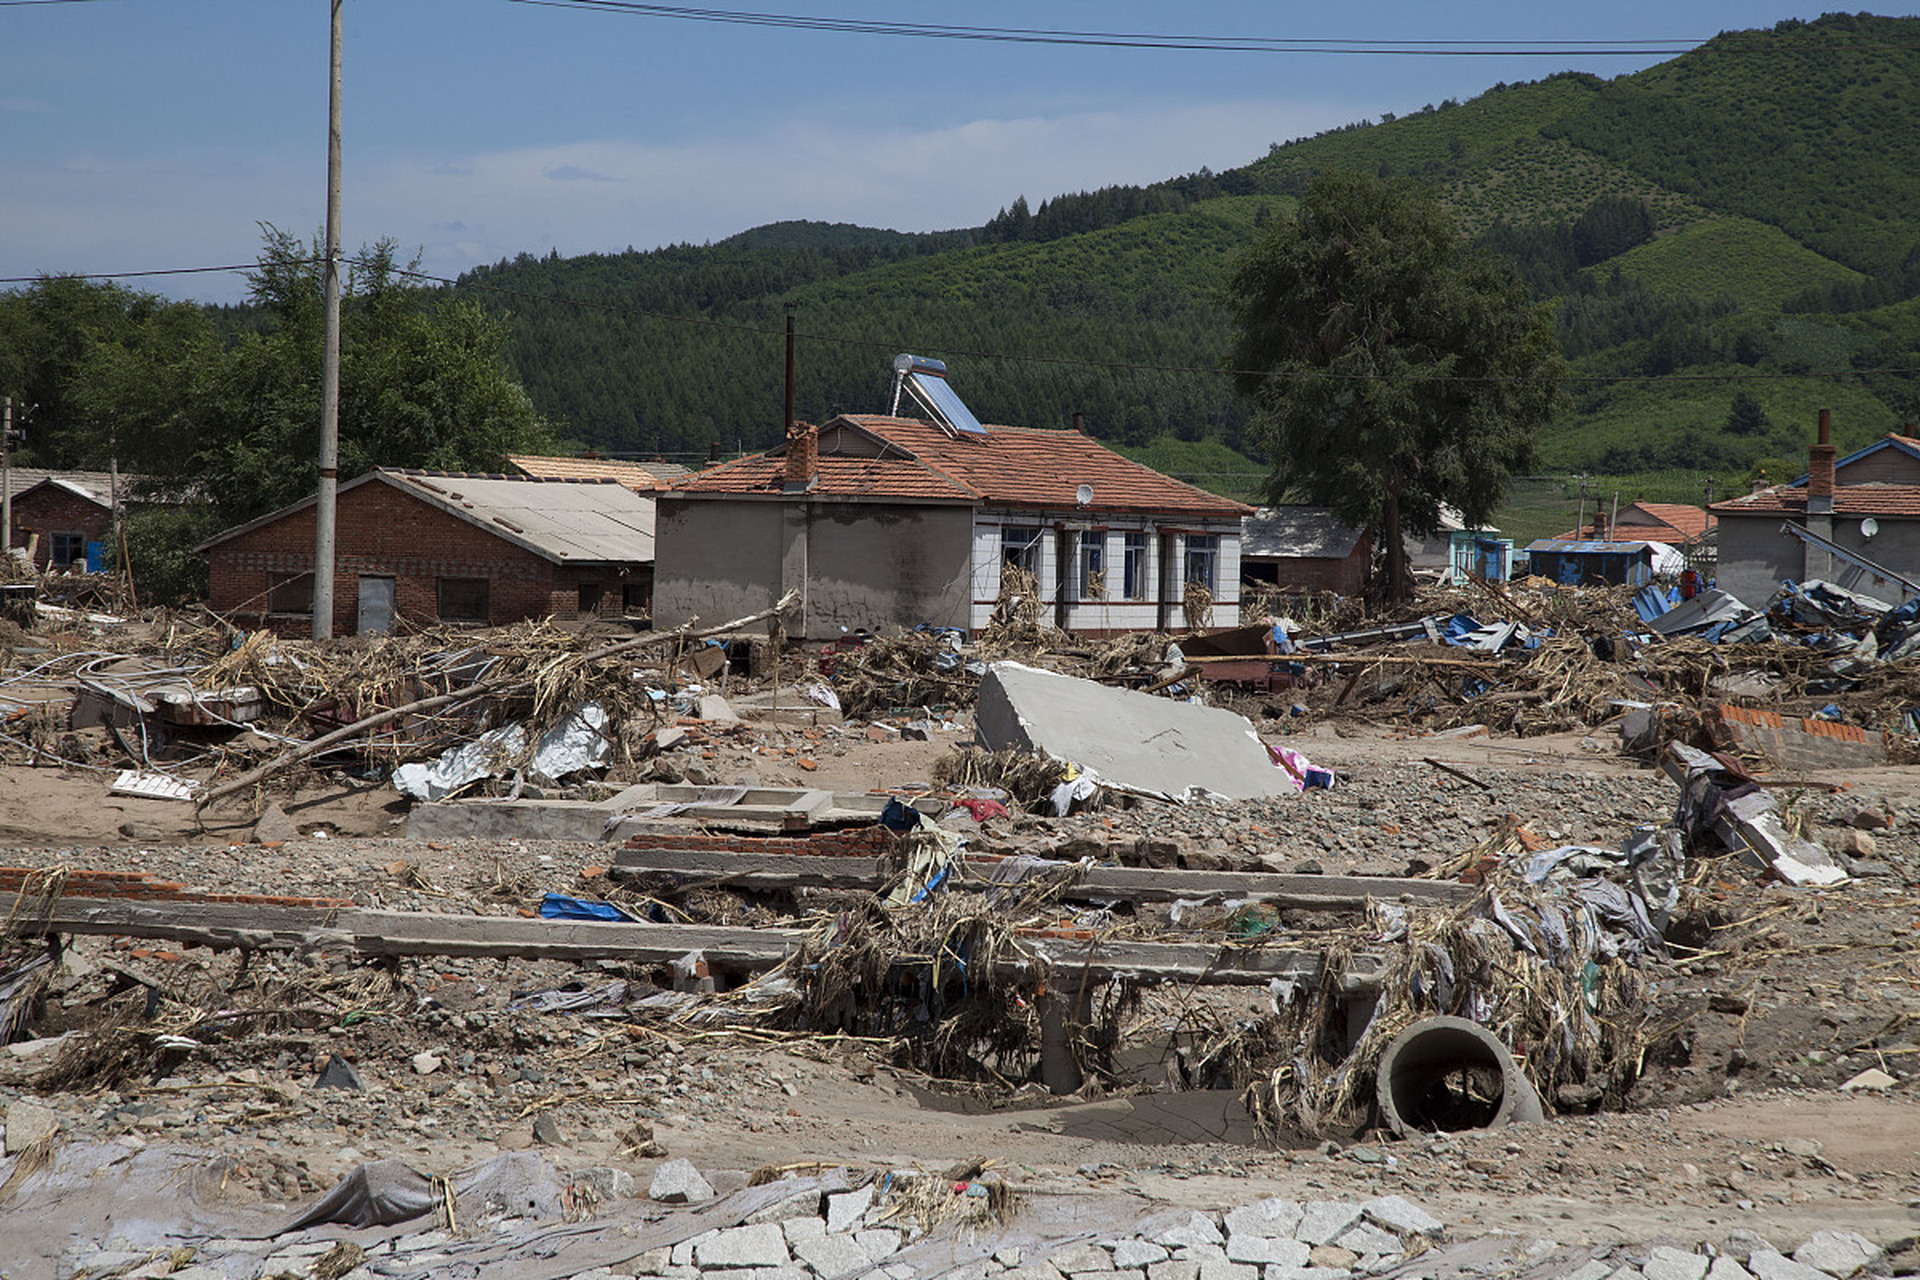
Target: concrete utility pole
[
  {"x": 323, "y": 511},
  {"x": 6, "y": 478}
]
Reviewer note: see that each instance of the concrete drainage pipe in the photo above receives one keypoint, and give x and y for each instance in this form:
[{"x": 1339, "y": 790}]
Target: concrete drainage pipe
[{"x": 1451, "y": 1074}]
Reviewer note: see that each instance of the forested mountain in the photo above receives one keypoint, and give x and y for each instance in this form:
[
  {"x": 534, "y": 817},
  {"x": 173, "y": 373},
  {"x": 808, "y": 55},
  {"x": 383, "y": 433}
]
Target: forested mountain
[
  {"x": 1744, "y": 218},
  {"x": 1731, "y": 241}
]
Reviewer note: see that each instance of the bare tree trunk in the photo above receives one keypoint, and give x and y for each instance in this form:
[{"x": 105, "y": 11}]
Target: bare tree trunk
[{"x": 1399, "y": 582}]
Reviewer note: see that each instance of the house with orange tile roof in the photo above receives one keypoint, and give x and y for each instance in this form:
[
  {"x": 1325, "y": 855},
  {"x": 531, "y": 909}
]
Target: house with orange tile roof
[
  {"x": 1674, "y": 523},
  {"x": 640, "y": 479},
  {"x": 1853, "y": 520},
  {"x": 881, "y": 521}
]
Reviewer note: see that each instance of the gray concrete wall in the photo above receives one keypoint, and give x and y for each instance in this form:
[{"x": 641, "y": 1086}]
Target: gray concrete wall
[
  {"x": 1755, "y": 556},
  {"x": 715, "y": 560},
  {"x": 876, "y": 566},
  {"x": 856, "y": 564}
]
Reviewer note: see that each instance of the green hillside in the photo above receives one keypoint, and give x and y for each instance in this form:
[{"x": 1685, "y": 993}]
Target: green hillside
[
  {"x": 1744, "y": 218},
  {"x": 1759, "y": 265}
]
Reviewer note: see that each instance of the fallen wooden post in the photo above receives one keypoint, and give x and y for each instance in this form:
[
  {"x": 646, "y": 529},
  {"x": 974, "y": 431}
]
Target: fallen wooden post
[{"x": 736, "y": 950}]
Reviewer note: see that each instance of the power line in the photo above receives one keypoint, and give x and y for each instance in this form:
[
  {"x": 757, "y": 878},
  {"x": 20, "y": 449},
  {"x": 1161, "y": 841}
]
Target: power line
[
  {"x": 1131, "y": 39},
  {"x": 1120, "y": 366},
  {"x": 1334, "y": 45}
]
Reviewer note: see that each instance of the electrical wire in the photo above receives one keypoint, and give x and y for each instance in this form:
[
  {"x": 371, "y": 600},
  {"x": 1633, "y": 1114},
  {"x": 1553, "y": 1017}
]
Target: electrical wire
[{"x": 1370, "y": 47}]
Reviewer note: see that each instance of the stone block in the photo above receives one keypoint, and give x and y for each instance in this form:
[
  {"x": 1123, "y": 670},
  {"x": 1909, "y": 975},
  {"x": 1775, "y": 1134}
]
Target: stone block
[
  {"x": 844, "y": 1211},
  {"x": 1081, "y": 1258},
  {"x": 1364, "y": 1238},
  {"x": 803, "y": 1203},
  {"x": 879, "y": 1242},
  {"x": 760, "y": 1245},
  {"x": 28, "y": 1123},
  {"x": 1222, "y": 1270},
  {"x": 1199, "y": 1228},
  {"x": 678, "y": 1182},
  {"x": 1274, "y": 1216},
  {"x": 1137, "y": 1253},
  {"x": 1178, "y": 1270},
  {"x": 1401, "y": 1216},
  {"x": 798, "y": 1229},
  {"x": 1667, "y": 1263},
  {"x": 1838, "y": 1253},
  {"x": 653, "y": 1262},
  {"x": 1281, "y": 1250},
  {"x": 832, "y": 1255},
  {"x": 1321, "y": 1221},
  {"x": 1725, "y": 1268},
  {"x": 1766, "y": 1264}
]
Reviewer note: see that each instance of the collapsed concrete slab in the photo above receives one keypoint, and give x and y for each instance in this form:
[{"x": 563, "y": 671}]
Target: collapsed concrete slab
[
  {"x": 631, "y": 810},
  {"x": 1128, "y": 741},
  {"x": 1744, "y": 819}
]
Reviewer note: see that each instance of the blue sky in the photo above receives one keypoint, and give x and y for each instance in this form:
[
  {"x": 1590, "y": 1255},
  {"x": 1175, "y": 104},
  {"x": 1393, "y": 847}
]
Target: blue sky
[{"x": 149, "y": 134}]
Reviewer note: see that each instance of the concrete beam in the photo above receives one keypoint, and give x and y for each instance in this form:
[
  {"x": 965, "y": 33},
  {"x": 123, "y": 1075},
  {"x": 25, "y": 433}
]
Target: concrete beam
[
  {"x": 747, "y": 870},
  {"x": 401, "y": 933}
]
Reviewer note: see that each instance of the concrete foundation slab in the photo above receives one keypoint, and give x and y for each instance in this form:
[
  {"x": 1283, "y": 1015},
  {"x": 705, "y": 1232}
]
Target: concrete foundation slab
[{"x": 1130, "y": 741}]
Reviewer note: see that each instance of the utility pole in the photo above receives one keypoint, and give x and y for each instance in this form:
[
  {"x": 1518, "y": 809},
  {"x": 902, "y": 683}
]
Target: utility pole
[
  {"x": 323, "y": 510},
  {"x": 6, "y": 478},
  {"x": 1580, "y": 521}
]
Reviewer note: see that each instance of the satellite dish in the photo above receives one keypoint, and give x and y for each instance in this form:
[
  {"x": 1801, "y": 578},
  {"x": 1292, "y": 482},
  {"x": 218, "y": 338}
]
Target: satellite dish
[
  {"x": 1869, "y": 527},
  {"x": 1084, "y": 495}
]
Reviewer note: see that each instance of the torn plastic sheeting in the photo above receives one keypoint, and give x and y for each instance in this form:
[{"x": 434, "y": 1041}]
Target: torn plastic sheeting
[
  {"x": 577, "y": 742},
  {"x": 385, "y": 1192},
  {"x": 1305, "y": 773}
]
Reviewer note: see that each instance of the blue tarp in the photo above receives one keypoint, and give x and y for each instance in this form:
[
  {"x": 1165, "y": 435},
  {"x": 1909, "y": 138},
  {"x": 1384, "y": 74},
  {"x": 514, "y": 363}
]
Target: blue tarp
[{"x": 558, "y": 906}]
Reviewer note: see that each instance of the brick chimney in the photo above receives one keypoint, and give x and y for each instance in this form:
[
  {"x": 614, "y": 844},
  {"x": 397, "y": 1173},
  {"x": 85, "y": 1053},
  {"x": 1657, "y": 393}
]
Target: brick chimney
[
  {"x": 803, "y": 456},
  {"x": 1820, "y": 470},
  {"x": 1600, "y": 526}
]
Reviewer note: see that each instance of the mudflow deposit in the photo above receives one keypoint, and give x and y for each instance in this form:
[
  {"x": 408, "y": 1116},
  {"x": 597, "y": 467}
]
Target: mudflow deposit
[{"x": 807, "y": 965}]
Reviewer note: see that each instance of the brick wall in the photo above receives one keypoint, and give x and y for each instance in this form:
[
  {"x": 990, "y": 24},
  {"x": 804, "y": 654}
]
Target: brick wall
[
  {"x": 47, "y": 510},
  {"x": 381, "y": 531}
]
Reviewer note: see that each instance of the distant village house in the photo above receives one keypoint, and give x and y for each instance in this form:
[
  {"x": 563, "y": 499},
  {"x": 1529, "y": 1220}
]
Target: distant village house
[{"x": 416, "y": 548}]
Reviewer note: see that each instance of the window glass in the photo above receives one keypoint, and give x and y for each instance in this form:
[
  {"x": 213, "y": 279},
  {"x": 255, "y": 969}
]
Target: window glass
[
  {"x": 291, "y": 595},
  {"x": 1134, "y": 566},
  {"x": 1203, "y": 558}
]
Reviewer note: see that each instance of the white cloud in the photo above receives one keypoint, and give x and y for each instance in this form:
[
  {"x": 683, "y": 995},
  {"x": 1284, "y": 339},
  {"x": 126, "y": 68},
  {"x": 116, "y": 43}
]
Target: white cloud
[{"x": 103, "y": 213}]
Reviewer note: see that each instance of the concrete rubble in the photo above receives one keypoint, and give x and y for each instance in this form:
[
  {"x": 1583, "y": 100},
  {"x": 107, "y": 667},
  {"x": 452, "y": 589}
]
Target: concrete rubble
[
  {"x": 1135, "y": 906},
  {"x": 512, "y": 1219}
]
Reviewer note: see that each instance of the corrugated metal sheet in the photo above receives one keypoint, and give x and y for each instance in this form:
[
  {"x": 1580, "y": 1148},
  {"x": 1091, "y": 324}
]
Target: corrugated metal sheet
[{"x": 571, "y": 521}]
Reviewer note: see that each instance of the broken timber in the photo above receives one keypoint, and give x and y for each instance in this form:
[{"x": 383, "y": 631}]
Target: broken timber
[
  {"x": 1139, "y": 884},
  {"x": 405, "y": 933}
]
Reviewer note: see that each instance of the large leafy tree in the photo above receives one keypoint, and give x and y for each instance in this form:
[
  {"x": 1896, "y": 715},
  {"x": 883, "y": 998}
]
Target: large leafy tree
[
  {"x": 422, "y": 384},
  {"x": 1394, "y": 367}
]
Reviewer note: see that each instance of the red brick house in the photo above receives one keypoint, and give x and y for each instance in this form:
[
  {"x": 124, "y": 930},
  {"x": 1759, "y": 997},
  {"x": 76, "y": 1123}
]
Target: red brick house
[
  {"x": 1308, "y": 549},
  {"x": 415, "y": 548},
  {"x": 66, "y": 514}
]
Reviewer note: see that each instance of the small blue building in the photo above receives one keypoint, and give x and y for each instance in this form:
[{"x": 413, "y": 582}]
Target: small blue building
[{"x": 1602, "y": 564}]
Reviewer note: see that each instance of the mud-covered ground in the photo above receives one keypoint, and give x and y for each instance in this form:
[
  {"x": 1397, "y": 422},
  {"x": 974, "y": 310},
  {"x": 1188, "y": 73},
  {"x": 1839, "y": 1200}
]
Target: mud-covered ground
[{"x": 1739, "y": 1120}]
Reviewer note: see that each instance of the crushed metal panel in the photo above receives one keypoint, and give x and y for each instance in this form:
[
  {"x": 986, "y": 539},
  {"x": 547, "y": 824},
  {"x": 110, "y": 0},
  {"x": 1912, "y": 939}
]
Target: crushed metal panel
[{"x": 1129, "y": 741}]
